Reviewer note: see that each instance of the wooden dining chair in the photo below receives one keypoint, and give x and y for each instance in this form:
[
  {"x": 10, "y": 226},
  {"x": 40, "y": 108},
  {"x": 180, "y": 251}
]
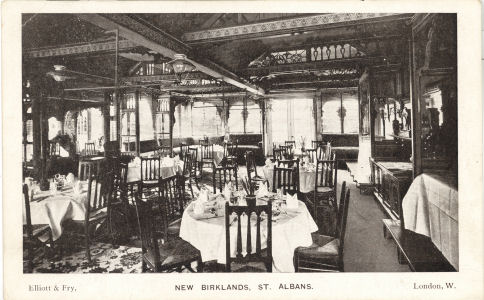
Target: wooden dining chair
[
  {"x": 316, "y": 144},
  {"x": 278, "y": 154},
  {"x": 223, "y": 175},
  {"x": 230, "y": 153},
  {"x": 326, "y": 253},
  {"x": 171, "y": 253},
  {"x": 100, "y": 192},
  {"x": 120, "y": 206},
  {"x": 286, "y": 179},
  {"x": 31, "y": 233},
  {"x": 324, "y": 152},
  {"x": 254, "y": 179},
  {"x": 172, "y": 199},
  {"x": 287, "y": 151},
  {"x": 54, "y": 149},
  {"x": 163, "y": 151},
  {"x": 183, "y": 150},
  {"x": 189, "y": 170},
  {"x": 288, "y": 163},
  {"x": 206, "y": 156},
  {"x": 89, "y": 149},
  {"x": 292, "y": 144},
  {"x": 87, "y": 168},
  {"x": 150, "y": 171},
  {"x": 323, "y": 204},
  {"x": 312, "y": 154},
  {"x": 195, "y": 170},
  {"x": 260, "y": 212}
]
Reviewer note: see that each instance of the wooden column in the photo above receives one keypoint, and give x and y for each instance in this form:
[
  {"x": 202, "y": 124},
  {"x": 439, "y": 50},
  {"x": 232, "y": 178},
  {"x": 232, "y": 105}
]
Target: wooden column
[
  {"x": 317, "y": 116},
  {"x": 268, "y": 111},
  {"x": 171, "y": 122},
  {"x": 341, "y": 117},
  {"x": 36, "y": 132},
  {"x": 262, "y": 105},
  {"x": 117, "y": 104},
  {"x": 107, "y": 118},
  {"x": 136, "y": 112}
]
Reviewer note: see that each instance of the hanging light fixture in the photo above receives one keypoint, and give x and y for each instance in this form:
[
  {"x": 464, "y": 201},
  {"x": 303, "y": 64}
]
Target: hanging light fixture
[{"x": 181, "y": 65}]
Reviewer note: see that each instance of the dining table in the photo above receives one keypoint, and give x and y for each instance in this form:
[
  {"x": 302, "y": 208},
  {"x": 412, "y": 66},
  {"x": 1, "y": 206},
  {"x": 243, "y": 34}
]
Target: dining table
[
  {"x": 53, "y": 207},
  {"x": 430, "y": 208},
  {"x": 291, "y": 228}
]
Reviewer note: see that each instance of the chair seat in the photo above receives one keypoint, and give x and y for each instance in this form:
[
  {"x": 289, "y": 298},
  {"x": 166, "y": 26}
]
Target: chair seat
[
  {"x": 174, "y": 227},
  {"x": 174, "y": 253},
  {"x": 37, "y": 229},
  {"x": 97, "y": 215},
  {"x": 323, "y": 250},
  {"x": 324, "y": 189}
]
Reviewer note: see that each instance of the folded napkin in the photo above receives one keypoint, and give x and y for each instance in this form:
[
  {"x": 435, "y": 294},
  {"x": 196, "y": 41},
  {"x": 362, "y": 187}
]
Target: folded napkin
[
  {"x": 292, "y": 201},
  {"x": 262, "y": 192},
  {"x": 199, "y": 204},
  {"x": 137, "y": 161},
  {"x": 70, "y": 178},
  {"x": 227, "y": 191}
]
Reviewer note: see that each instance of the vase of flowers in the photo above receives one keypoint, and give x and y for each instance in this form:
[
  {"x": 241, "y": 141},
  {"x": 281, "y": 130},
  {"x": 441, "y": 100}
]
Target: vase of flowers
[{"x": 303, "y": 144}]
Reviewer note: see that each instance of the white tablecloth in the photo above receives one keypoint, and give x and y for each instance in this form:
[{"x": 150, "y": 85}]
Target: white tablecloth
[
  {"x": 288, "y": 232},
  {"x": 169, "y": 167},
  {"x": 430, "y": 207},
  {"x": 53, "y": 209},
  {"x": 307, "y": 179}
]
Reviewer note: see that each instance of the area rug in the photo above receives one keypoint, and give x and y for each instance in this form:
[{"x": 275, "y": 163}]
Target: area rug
[{"x": 104, "y": 259}]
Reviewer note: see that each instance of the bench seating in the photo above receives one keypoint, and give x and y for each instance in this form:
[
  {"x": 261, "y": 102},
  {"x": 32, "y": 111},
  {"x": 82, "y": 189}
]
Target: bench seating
[{"x": 344, "y": 145}]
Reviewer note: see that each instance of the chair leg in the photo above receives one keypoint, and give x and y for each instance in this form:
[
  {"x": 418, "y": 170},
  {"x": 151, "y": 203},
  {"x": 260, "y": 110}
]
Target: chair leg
[
  {"x": 190, "y": 185},
  {"x": 213, "y": 181},
  {"x": 88, "y": 244},
  {"x": 30, "y": 258}
]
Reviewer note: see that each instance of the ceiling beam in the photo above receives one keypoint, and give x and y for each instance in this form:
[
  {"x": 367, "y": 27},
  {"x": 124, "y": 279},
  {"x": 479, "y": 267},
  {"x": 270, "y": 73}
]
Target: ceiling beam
[
  {"x": 290, "y": 25},
  {"x": 165, "y": 77},
  {"x": 320, "y": 65},
  {"x": 156, "y": 40},
  {"x": 89, "y": 48}
]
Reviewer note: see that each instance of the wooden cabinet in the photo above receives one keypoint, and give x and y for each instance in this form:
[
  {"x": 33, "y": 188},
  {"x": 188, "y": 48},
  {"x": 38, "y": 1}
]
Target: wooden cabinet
[{"x": 391, "y": 181}]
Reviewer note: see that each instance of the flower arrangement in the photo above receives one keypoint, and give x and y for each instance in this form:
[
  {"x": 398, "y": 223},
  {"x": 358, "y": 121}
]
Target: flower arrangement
[{"x": 303, "y": 143}]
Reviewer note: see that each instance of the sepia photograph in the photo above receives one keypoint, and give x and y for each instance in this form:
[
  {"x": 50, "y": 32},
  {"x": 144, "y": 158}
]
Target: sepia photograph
[{"x": 251, "y": 142}]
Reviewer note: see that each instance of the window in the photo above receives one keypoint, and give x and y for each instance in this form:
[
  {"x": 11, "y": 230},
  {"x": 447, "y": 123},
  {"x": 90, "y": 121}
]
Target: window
[
  {"x": 206, "y": 120},
  {"x": 253, "y": 122},
  {"x": 340, "y": 113}
]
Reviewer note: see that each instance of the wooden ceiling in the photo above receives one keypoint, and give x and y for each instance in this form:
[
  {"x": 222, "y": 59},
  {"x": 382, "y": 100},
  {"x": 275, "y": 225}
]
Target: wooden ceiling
[{"x": 222, "y": 46}]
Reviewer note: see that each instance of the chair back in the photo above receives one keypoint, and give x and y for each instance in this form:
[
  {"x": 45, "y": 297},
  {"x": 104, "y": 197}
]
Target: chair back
[
  {"x": 100, "y": 189},
  {"x": 163, "y": 151},
  {"x": 312, "y": 154},
  {"x": 316, "y": 144},
  {"x": 286, "y": 179},
  {"x": 86, "y": 169},
  {"x": 344, "y": 220},
  {"x": 250, "y": 164},
  {"x": 290, "y": 143},
  {"x": 248, "y": 212},
  {"x": 150, "y": 168},
  {"x": 172, "y": 197},
  {"x": 326, "y": 173},
  {"x": 89, "y": 149},
  {"x": 146, "y": 226},
  {"x": 188, "y": 163},
  {"x": 183, "y": 150},
  {"x": 28, "y": 218},
  {"x": 224, "y": 175},
  {"x": 193, "y": 152},
  {"x": 324, "y": 152},
  {"x": 121, "y": 179},
  {"x": 288, "y": 163},
  {"x": 286, "y": 151},
  {"x": 230, "y": 148},
  {"x": 206, "y": 151},
  {"x": 54, "y": 149},
  {"x": 278, "y": 154}
]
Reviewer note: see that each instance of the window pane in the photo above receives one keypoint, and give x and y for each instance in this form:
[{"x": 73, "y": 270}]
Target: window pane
[
  {"x": 279, "y": 121},
  {"x": 350, "y": 103},
  {"x": 331, "y": 120},
  {"x": 236, "y": 121},
  {"x": 303, "y": 121},
  {"x": 206, "y": 120},
  {"x": 253, "y": 124}
]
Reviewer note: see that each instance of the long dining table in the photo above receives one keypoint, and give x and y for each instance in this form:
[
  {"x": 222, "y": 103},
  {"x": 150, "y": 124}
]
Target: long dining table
[
  {"x": 430, "y": 208},
  {"x": 290, "y": 229}
]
